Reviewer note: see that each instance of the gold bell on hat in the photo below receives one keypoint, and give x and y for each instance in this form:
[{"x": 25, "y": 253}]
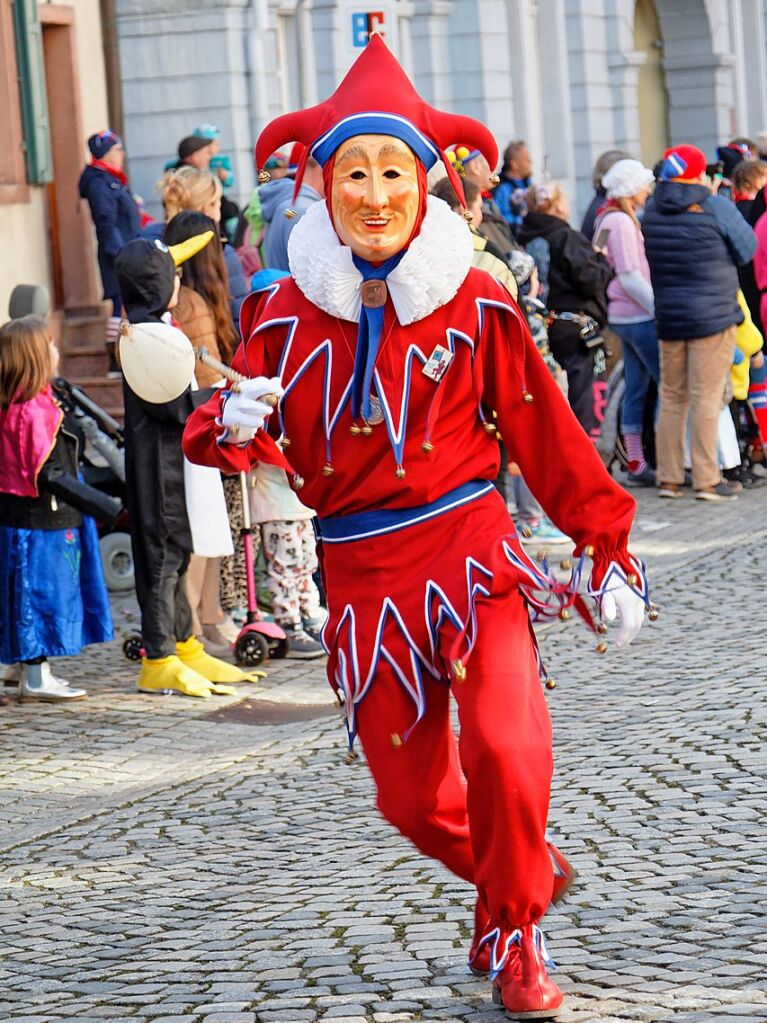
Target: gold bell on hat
[
  {"x": 285, "y": 442},
  {"x": 298, "y": 482},
  {"x": 602, "y": 629},
  {"x": 400, "y": 472},
  {"x": 355, "y": 430},
  {"x": 564, "y": 614},
  {"x": 588, "y": 551},
  {"x": 489, "y": 427},
  {"x": 427, "y": 447},
  {"x": 550, "y": 683},
  {"x": 602, "y": 647},
  {"x": 396, "y": 740},
  {"x": 527, "y": 398},
  {"x": 565, "y": 564},
  {"x": 367, "y": 429},
  {"x": 327, "y": 469},
  {"x": 654, "y": 613},
  {"x": 468, "y": 216},
  {"x": 289, "y": 214}
]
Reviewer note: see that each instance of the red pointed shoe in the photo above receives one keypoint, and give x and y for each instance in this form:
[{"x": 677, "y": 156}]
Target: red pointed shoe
[
  {"x": 523, "y": 987},
  {"x": 479, "y": 954}
]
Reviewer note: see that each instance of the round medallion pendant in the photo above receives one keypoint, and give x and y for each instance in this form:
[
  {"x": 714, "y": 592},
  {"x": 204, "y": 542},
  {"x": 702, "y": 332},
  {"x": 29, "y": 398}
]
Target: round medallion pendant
[{"x": 376, "y": 411}]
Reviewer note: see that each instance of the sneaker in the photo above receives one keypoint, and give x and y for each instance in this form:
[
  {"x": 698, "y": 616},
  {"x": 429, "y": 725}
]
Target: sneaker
[
  {"x": 222, "y": 633},
  {"x": 39, "y": 683},
  {"x": 313, "y": 627},
  {"x": 301, "y": 646},
  {"x": 672, "y": 491},
  {"x": 544, "y": 532},
  {"x": 644, "y": 478},
  {"x": 724, "y": 491},
  {"x": 744, "y": 475}
]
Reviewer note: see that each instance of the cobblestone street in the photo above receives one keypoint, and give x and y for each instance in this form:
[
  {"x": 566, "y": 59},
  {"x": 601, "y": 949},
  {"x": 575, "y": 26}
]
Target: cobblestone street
[{"x": 163, "y": 864}]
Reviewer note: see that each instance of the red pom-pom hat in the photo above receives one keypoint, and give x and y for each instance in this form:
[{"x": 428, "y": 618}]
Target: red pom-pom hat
[{"x": 376, "y": 98}]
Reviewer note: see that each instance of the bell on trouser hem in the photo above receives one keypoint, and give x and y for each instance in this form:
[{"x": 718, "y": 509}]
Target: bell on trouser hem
[
  {"x": 523, "y": 987},
  {"x": 480, "y": 952}
]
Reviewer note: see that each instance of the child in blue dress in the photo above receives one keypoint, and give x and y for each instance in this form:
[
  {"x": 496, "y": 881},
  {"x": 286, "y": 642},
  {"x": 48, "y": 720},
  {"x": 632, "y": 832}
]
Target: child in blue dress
[{"x": 53, "y": 600}]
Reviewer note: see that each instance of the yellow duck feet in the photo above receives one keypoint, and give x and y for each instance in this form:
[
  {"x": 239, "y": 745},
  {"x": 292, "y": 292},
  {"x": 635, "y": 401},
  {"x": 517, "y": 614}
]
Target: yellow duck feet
[
  {"x": 167, "y": 674},
  {"x": 193, "y": 654}
]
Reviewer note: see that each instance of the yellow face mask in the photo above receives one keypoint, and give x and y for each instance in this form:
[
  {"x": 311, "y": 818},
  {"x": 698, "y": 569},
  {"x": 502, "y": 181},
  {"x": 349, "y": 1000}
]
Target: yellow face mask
[{"x": 375, "y": 196}]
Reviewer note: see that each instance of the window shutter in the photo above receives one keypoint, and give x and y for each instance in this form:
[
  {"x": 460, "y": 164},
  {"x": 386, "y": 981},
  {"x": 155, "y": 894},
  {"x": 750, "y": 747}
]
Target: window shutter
[{"x": 32, "y": 97}]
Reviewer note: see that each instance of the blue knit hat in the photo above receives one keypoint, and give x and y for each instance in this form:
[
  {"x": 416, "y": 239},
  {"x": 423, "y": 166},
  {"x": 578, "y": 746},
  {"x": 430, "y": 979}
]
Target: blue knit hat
[{"x": 100, "y": 144}]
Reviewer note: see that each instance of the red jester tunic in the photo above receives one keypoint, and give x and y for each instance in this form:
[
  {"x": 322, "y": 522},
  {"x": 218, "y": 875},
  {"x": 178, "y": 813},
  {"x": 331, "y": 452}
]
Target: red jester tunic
[{"x": 426, "y": 580}]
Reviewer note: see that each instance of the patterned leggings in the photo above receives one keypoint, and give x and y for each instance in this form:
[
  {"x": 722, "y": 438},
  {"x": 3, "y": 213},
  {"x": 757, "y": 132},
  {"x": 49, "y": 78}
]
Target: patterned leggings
[{"x": 291, "y": 560}]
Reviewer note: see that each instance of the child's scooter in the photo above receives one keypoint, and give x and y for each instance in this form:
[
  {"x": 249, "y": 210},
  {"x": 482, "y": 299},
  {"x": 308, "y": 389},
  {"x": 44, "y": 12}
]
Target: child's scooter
[{"x": 258, "y": 638}]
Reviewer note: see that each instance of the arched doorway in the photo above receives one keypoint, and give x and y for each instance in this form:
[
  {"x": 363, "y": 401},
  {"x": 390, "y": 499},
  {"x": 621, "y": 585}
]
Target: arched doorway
[{"x": 652, "y": 91}]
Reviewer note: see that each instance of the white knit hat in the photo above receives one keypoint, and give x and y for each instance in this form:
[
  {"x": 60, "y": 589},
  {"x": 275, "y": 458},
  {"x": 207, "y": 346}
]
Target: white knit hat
[{"x": 625, "y": 178}]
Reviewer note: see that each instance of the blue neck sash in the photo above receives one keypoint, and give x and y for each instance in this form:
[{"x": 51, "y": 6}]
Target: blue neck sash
[{"x": 369, "y": 336}]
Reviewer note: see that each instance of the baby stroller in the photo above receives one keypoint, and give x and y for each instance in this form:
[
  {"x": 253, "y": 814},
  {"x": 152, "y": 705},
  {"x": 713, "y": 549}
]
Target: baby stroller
[{"x": 105, "y": 437}]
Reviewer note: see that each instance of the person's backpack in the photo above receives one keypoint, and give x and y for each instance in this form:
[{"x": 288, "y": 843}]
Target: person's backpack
[
  {"x": 540, "y": 250},
  {"x": 249, "y": 250}
]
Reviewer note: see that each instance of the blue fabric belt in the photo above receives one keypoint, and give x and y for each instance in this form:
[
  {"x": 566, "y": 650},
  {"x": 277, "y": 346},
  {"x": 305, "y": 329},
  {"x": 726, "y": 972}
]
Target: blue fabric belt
[{"x": 346, "y": 528}]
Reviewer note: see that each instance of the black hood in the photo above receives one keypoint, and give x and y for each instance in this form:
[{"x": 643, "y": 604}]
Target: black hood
[
  {"x": 540, "y": 225},
  {"x": 677, "y": 196},
  {"x": 145, "y": 272}
]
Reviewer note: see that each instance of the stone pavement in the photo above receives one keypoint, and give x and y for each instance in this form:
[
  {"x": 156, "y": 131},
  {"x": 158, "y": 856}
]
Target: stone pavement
[{"x": 160, "y": 864}]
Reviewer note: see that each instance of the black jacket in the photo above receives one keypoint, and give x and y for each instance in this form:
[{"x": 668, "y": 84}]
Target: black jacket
[
  {"x": 63, "y": 497},
  {"x": 115, "y": 217},
  {"x": 577, "y": 276},
  {"x": 154, "y": 461},
  {"x": 694, "y": 243}
]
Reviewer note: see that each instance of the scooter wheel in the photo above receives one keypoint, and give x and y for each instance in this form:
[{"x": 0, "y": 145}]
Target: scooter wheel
[
  {"x": 279, "y": 648},
  {"x": 133, "y": 647},
  {"x": 251, "y": 649}
]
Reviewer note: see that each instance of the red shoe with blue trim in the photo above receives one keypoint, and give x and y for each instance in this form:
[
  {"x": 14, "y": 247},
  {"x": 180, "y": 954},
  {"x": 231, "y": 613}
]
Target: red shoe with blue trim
[
  {"x": 479, "y": 954},
  {"x": 522, "y": 986}
]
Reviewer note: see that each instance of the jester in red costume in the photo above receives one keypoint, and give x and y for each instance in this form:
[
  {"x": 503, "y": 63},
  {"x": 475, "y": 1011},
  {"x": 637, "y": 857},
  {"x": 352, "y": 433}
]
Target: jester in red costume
[{"x": 391, "y": 355}]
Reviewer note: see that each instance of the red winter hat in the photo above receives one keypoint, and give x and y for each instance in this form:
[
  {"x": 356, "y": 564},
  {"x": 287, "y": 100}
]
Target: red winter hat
[
  {"x": 683, "y": 163},
  {"x": 376, "y": 98}
]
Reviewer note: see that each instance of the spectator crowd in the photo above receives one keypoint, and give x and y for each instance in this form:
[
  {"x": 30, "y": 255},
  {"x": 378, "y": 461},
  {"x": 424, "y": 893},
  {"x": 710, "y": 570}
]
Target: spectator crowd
[{"x": 649, "y": 314}]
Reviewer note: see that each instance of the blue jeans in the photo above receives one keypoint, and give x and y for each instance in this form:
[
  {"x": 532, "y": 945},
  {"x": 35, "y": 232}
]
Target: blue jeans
[{"x": 641, "y": 365}]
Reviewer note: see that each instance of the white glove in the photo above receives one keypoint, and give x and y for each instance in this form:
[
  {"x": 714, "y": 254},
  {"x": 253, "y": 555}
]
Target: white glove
[
  {"x": 631, "y": 606},
  {"x": 243, "y": 413}
]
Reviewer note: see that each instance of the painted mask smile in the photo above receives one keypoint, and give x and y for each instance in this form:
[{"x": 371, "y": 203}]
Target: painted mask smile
[{"x": 375, "y": 195}]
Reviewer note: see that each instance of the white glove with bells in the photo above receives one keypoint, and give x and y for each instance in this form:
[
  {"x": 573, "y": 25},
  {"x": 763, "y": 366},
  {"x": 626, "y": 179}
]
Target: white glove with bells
[
  {"x": 243, "y": 413},
  {"x": 631, "y": 606}
]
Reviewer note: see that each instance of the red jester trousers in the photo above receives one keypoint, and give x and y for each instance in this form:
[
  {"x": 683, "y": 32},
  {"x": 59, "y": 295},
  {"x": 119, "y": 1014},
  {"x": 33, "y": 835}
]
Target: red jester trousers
[{"x": 425, "y": 578}]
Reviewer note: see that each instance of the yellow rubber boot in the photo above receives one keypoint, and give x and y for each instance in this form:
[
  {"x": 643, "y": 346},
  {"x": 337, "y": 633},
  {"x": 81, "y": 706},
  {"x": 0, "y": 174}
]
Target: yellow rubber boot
[
  {"x": 194, "y": 655},
  {"x": 164, "y": 673}
]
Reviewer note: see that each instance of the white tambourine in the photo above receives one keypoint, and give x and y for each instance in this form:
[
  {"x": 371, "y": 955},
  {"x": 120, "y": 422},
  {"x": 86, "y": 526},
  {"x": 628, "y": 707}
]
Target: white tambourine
[{"x": 157, "y": 359}]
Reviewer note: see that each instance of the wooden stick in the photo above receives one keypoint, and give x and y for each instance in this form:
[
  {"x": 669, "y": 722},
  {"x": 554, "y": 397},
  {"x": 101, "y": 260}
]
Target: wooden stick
[{"x": 231, "y": 374}]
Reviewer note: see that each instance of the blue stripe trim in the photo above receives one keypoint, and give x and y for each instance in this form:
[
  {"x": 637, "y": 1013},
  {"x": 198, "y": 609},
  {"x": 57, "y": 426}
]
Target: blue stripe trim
[
  {"x": 346, "y": 528},
  {"x": 375, "y": 123}
]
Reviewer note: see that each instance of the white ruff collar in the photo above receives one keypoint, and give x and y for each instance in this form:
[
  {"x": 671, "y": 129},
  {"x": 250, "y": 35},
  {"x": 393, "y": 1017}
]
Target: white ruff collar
[{"x": 428, "y": 276}]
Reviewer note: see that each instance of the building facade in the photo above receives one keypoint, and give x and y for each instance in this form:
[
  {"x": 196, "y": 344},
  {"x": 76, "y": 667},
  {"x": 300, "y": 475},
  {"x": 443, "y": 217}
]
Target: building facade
[
  {"x": 571, "y": 77},
  {"x": 53, "y": 94}
]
